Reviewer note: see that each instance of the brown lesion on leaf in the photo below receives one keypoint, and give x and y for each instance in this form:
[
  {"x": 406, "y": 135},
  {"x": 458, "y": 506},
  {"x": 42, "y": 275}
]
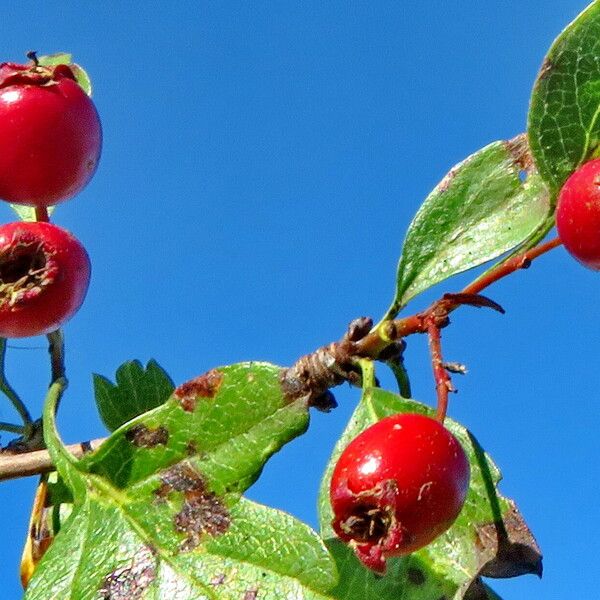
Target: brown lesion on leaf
[
  {"x": 218, "y": 580},
  {"x": 191, "y": 448},
  {"x": 205, "y": 386},
  {"x": 130, "y": 581},
  {"x": 518, "y": 148},
  {"x": 415, "y": 576},
  {"x": 447, "y": 180},
  {"x": 476, "y": 590},
  {"x": 545, "y": 70},
  {"x": 507, "y": 548},
  {"x": 202, "y": 513},
  {"x": 251, "y": 594},
  {"x": 147, "y": 437}
]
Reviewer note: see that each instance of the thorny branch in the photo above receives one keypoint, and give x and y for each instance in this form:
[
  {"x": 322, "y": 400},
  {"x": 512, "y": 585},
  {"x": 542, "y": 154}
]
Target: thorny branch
[{"x": 312, "y": 376}]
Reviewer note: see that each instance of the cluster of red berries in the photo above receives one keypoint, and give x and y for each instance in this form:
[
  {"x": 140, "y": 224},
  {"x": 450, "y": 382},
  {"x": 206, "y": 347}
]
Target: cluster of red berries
[{"x": 50, "y": 142}]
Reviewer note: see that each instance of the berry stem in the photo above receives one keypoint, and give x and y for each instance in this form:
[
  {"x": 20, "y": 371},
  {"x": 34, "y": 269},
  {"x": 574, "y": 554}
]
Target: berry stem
[
  {"x": 368, "y": 381},
  {"x": 7, "y": 389},
  {"x": 56, "y": 349},
  {"x": 380, "y": 338},
  {"x": 520, "y": 261},
  {"x": 435, "y": 317},
  {"x": 41, "y": 214},
  {"x": 443, "y": 383}
]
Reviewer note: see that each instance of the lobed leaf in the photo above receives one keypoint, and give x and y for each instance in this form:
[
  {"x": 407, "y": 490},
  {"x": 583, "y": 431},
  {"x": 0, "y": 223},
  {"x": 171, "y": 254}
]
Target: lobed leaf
[
  {"x": 137, "y": 390},
  {"x": 480, "y": 210},
  {"x": 563, "y": 123},
  {"x": 157, "y": 509},
  {"x": 489, "y": 538}
]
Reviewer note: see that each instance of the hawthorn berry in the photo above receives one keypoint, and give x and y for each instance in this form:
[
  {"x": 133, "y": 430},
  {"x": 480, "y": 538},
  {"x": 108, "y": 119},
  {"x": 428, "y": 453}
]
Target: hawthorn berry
[
  {"x": 44, "y": 276},
  {"x": 50, "y": 134},
  {"x": 578, "y": 214},
  {"x": 397, "y": 486}
]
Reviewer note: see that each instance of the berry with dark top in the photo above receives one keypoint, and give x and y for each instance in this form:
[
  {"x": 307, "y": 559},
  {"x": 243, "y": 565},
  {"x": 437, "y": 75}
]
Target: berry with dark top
[
  {"x": 397, "y": 486},
  {"x": 44, "y": 276}
]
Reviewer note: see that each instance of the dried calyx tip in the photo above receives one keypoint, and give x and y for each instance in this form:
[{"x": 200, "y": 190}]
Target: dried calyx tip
[
  {"x": 23, "y": 269},
  {"x": 367, "y": 524},
  {"x": 32, "y": 56}
]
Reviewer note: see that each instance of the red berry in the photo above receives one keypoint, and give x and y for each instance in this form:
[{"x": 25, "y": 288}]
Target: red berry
[
  {"x": 50, "y": 135},
  {"x": 397, "y": 486},
  {"x": 44, "y": 276},
  {"x": 578, "y": 214}
]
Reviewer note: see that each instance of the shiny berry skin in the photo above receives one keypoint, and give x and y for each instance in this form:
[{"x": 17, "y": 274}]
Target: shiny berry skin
[
  {"x": 578, "y": 214},
  {"x": 44, "y": 276},
  {"x": 50, "y": 135},
  {"x": 397, "y": 486}
]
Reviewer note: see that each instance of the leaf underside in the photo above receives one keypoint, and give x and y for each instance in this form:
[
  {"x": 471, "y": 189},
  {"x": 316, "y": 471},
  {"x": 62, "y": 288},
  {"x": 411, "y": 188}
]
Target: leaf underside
[{"x": 484, "y": 207}]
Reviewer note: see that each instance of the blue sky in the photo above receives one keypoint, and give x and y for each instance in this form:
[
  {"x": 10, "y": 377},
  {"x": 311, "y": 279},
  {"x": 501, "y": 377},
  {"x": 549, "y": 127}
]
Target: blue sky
[{"x": 261, "y": 164}]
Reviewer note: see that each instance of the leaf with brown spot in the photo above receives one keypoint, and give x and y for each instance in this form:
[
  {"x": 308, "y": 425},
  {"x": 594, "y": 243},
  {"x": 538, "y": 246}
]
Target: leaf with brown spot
[
  {"x": 144, "y": 437},
  {"x": 205, "y": 386},
  {"x": 183, "y": 501},
  {"x": 129, "y": 582},
  {"x": 507, "y": 548}
]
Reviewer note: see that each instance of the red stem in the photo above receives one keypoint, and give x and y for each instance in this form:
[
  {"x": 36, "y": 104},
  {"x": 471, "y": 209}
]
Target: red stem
[
  {"x": 443, "y": 384},
  {"x": 521, "y": 261}
]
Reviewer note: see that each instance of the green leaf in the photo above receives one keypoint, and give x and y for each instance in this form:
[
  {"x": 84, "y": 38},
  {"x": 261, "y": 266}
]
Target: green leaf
[
  {"x": 489, "y": 538},
  {"x": 480, "y": 210},
  {"x": 63, "y": 58},
  {"x": 160, "y": 513},
  {"x": 137, "y": 390},
  {"x": 564, "y": 128},
  {"x": 52, "y": 60}
]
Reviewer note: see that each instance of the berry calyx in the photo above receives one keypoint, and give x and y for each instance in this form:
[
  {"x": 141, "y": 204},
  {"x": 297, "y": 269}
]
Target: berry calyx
[
  {"x": 44, "y": 276},
  {"x": 397, "y": 486},
  {"x": 578, "y": 214},
  {"x": 50, "y": 134}
]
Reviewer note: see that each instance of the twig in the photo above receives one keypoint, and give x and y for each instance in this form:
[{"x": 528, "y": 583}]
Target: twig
[
  {"x": 375, "y": 342},
  {"x": 35, "y": 463},
  {"x": 311, "y": 376}
]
